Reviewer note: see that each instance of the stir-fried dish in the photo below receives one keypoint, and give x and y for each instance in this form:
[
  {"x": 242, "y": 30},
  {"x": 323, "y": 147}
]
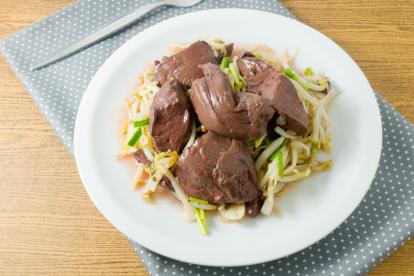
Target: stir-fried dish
[{"x": 226, "y": 133}]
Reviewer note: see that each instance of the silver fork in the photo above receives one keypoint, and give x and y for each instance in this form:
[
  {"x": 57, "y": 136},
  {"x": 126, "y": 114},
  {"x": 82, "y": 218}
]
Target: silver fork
[{"x": 110, "y": 29}]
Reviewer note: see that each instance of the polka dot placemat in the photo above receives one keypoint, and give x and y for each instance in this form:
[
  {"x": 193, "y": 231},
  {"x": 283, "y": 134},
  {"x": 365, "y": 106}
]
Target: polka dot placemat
[{"x": 383, "y": 221}]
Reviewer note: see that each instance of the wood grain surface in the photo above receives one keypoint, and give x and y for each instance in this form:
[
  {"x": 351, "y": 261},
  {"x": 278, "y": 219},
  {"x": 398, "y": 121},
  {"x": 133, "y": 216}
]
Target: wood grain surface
[{"x": 48, "y": 225}]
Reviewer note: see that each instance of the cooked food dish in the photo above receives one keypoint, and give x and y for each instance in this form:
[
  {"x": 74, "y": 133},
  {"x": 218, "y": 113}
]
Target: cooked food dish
[{"x": 224, "y": 132}]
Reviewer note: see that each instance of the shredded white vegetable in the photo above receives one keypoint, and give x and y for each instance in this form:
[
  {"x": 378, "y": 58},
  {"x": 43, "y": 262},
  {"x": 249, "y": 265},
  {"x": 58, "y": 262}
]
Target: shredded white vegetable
[
  {"x": 261, "y": 160},
  {"x": 268, "y": 203},
  {"x": 188, "y": 208},
  {"x": 304, "y": 81},
  {"x": 149, "y": 187},
  {"x": 148, "y": 153},
  {"x": 296, "y": 176},
  {"x": 272, "y": 167},
  {"x": 304, "y": 95},
  {"x": 138, "y": 173},
  {"x": 300, "y": 145},
  {"x": 283, "y": 133}
]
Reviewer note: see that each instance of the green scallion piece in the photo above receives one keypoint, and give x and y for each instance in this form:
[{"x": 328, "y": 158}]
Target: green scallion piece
[
  {"x": 280, "y": 163},
  {"x": 308, "y": 71},
  {"x": 134, "y": 139},
  {"x": 224, "y": 63},
  {"x": 201, "y": 221},
  {"x": 198, "y": 200},
  {"x": 203, "y": 215},
  {"x": 141, "y": 123},
  {"x": 234, "y": 74},
  {"x": 288, "y": 72},
  {"x": 274, "y": 155}
]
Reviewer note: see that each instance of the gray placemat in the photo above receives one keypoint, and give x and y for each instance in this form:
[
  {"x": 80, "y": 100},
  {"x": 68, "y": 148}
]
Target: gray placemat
[{"x": 383, "y": 221}]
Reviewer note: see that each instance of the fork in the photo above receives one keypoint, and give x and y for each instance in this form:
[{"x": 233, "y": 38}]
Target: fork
[{"x": 110, "y": 29}]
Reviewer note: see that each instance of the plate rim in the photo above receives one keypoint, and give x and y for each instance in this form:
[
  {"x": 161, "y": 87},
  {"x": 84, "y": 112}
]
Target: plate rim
[{"x": 109, "y": 214}]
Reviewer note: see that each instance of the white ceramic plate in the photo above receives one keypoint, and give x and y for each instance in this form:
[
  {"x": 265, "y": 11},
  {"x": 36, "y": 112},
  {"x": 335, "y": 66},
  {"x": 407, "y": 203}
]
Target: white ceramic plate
[{"x": 309, "y": 211}]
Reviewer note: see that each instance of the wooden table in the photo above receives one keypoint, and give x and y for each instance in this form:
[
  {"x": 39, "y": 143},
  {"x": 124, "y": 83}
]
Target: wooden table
[{"x": 47, "y": 222}]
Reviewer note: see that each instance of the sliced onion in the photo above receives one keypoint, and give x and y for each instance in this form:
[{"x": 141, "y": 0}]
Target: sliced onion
[{"x": 232, "y": 212}]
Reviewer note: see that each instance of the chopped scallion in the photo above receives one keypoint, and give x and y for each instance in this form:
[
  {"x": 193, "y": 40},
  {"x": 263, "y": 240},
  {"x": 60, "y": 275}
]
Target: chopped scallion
[
  {"x": 141, "y": 123},
  {"x": 224, "y": 63},
  {"x": 280, "y": 163},
  {"x": 288, "y": 72},
  {"x": 134, "y": 139},
  {"x": 203, "y": 215},
  {"x": 198, "y": 200},
  {"x": 274, "y": 155},
  {"x": 308, "y": 72},
  {"x": 234, "y": 74},
  {"x": 199, "y": 214}
]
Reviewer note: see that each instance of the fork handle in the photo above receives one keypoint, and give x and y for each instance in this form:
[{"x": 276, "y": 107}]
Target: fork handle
[{"x": 108, "y": 30}]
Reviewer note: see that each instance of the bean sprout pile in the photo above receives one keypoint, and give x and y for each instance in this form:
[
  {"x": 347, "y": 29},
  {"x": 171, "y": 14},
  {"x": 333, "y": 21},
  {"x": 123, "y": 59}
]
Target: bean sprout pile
[{"x": 279, "y": 162}]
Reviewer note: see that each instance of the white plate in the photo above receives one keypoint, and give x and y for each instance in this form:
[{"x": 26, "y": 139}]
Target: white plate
[{"x": 309, "y": 211}]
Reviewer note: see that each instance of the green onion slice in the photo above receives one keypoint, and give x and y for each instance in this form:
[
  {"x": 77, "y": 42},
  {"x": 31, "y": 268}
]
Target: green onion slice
[
  {"x": 198, "y": 200},
  {"x": 141, "y": 123},
  {"x": 203, "y": 215},
  {"x": 224, "y": 63},
  {"x": 199, "y": 214},
  {"x": 288, "y": 72},
  {"x": 308, "y": 71},
  {"x": 280, "y": 163},
  {"x": 234, "y": 74},
  {"x": 274, "y": 155},
  {"x": 134, "y": 139}
]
